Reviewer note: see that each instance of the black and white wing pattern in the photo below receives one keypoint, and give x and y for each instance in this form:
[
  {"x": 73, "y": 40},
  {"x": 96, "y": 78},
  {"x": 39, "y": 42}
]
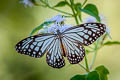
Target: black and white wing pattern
[
  {"x": 75, "y": 37},
  {"x": 54, "y": 55},
  {"x": 35, "y": 46},
  {"x": 68, "y": 43},
  {"x": 75, "y": 52},
  {"x": 86, "y": 33}
]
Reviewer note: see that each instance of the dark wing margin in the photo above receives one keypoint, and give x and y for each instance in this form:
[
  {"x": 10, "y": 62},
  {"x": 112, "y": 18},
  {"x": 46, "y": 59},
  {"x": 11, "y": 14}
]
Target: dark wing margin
[
  {"x": 34, "y": 46},
  {"x": 54, "y": 57},
  {"x": 86, "y": 33}
]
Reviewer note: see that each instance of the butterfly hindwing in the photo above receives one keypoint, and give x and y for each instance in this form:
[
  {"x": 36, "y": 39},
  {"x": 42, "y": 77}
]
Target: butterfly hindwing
[
  {"x": 75, "y": 52},
  {"x": 85, "y": 33},
  {"x": 54, "y": 56}
]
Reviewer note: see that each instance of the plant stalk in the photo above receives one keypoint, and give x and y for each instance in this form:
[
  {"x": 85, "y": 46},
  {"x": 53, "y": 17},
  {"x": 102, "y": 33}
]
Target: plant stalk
[
  {"x": 59, "y": 10},
  {"x": 86, "y": 63},
  {"x": 82, "y": 67},
  {"x": 95, "y": 54},
  {"x": 84, "y": 3},
  {"x": 47, "y": 5},
  {"x": 74, "y": 14}
]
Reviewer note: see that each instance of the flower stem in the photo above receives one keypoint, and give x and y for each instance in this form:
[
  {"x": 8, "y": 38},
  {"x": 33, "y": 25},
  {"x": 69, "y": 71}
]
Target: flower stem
[
  {"x": 74, "y": 14},
  {"x": 84, "y": 3},
  {"x": 93, "y": 59},
  {"x": 59, "y": 10},
  {"x": 80, "y": 18},
  {"x": 82, "y": 67},
  {"x": 47, "y": 5},
  {"x": 86, "y": 63},
  {"x": 95, "y": 54}
]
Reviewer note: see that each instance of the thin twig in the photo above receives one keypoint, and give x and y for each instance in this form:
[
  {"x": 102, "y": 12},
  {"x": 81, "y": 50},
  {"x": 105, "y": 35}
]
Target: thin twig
[
  {"x": 82, "y": 67},
  {"x": 84, "y": 3},
  {"x": 59, "y": 10},
  {"x": 95, "y": 54},
  {"x": 86, "y": 63},
  {"x": 47, "y": 5},
  {"x": 72, "y": 8}
]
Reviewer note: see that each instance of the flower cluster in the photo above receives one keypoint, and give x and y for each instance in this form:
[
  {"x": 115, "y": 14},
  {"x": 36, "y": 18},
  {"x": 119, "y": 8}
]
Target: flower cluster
[
  {"x": 57, "y": 25},
  {"x": 27, "y": 3},
  {"x": 57, "y": 19}
]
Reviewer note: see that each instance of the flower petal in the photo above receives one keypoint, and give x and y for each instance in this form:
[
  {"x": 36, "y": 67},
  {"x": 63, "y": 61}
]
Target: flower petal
[
  {"x": 27, "y": 3},
  {"x": 59, "y": 18}
]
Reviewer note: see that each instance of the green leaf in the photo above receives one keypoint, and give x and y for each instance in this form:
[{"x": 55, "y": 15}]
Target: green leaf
[
  {"x": 77, "y": 6},
  {"x": 93, "y": 76},
  {"x": 40, "y": 27},
  {"x": 79, "y": 77},
  {"x": 89, "y": 76},
  {"x": 112, "y": 43},
  {"x": 91, "y": 10},
  {"x": 100, "y": 73},
  {"x": 103, "y": 72},
  {"x": 61, "y": 4}
]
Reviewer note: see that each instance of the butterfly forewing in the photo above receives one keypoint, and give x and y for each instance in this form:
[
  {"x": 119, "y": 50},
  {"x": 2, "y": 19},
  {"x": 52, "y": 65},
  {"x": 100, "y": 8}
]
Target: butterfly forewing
[
  {"x": 85, "y": 33},
  {"x": 34, "y": 46}
]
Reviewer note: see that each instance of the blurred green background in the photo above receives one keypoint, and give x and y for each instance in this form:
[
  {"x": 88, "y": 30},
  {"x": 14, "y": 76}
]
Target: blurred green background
[{"x": 16, "y": 22}]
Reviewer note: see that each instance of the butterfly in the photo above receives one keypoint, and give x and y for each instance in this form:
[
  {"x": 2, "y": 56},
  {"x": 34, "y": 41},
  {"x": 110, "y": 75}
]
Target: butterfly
[{"x": 68, "y": 43}]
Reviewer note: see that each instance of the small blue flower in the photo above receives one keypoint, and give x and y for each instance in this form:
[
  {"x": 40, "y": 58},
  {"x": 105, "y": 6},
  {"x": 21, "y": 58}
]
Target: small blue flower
[
  {"x": 56, "y": 25},
  {"x": 59, "y": 18},
  {"x": 89, "y": 19},
  {"x": 27, "y": 3}
]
